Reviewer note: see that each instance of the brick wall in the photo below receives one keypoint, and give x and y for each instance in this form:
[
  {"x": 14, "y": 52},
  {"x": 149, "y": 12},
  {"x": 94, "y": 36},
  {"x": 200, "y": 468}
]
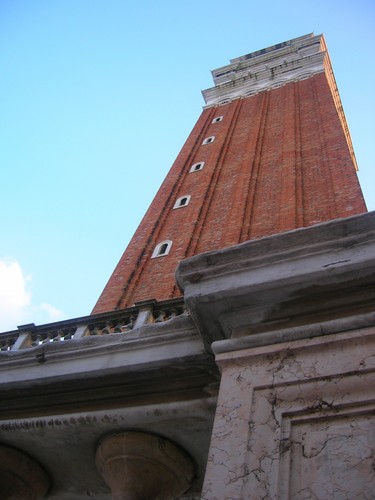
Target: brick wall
[{"x": 280, "y": 160}]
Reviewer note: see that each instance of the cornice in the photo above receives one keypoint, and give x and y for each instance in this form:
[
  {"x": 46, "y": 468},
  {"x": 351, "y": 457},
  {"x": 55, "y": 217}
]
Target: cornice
[
  {"x": 90, "y": 354},
  {"x": 307, "y": 282},
  {"x": 276, "y": 66}
]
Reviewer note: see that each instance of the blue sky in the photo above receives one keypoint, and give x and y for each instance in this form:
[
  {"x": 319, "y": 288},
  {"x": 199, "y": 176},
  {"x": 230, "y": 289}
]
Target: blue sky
[{"x": 98, "y": 97}]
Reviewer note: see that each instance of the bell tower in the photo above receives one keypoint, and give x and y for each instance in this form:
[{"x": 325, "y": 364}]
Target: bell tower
[{"x": 271, "y": 152}]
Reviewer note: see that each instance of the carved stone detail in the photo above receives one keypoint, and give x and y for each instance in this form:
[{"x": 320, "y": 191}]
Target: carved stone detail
[
  {"x": 138, "y": 465},
  {"x": 21, "y": 477},
  {"x": 270, "y": 68}
]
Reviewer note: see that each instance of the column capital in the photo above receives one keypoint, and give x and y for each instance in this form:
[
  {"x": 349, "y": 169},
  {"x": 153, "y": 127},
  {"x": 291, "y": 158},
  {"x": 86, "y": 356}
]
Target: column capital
[
  {"x": 21, "y": 477},
  {"x": 138, "y": 465}
]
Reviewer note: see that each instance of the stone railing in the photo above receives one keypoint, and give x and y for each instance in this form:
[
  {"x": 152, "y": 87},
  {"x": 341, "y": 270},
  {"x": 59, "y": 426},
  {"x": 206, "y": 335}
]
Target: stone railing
[{"x": 109, "y": 323}]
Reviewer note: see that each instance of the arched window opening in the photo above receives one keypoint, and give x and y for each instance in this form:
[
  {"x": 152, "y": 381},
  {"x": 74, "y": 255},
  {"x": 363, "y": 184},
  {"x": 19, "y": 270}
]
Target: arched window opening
[
  {"x": 161, "y": 249},
  {"x": 182, "y": 201},
  {"x": 197, "y": 166},
  {"x": 208, "y": 140}
]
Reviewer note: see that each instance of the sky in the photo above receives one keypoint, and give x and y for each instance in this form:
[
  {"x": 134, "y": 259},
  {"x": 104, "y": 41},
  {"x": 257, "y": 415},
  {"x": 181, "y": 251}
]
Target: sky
[{"x": 97, "y": 97}]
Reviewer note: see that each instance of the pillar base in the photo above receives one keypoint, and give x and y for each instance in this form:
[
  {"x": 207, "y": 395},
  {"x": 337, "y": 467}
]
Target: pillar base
[{"x": 138, "y": 465}]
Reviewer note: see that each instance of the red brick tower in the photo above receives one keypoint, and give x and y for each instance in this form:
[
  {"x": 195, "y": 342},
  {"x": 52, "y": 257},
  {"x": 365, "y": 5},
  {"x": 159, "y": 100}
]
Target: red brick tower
[{"x": 270, "y": 152}]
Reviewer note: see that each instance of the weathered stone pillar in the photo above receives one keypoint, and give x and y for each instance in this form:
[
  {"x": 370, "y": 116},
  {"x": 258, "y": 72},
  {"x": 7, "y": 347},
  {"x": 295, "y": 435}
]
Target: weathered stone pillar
[
  {"x": 290, "y": 319},
  {"x": 21, "y": 477},
  {"x": 141, "y": 466}
]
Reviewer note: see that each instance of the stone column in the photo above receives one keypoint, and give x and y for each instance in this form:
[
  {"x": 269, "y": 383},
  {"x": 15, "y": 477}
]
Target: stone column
[
  {"x": 21, "y": 477},
  {"x": 141, "y": 466}
]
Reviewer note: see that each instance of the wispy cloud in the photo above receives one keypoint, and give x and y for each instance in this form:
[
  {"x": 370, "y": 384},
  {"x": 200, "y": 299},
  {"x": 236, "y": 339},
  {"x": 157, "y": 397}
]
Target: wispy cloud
[
  {"x": 53, "y": 313},
  {"x": 16, "y": 304}
]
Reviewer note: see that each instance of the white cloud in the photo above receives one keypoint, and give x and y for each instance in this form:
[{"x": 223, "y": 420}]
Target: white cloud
[
  {"x": 14, "y": 295},
  {"x": 54, "y": 314},
  {"x": 16, "y": 306}
]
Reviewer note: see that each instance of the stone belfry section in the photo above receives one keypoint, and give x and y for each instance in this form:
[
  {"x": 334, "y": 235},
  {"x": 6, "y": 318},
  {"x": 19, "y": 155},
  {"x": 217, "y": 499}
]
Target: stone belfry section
[{"x": 270, "y": 152}]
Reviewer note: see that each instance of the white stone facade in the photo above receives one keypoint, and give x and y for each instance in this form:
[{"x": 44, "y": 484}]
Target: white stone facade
[{"x": 296, "y": 420}]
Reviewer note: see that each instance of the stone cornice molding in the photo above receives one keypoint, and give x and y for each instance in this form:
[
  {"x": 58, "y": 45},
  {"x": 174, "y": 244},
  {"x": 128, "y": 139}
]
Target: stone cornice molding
[
  {"x": 294, "y": 60},
  {"x": 266, "y": 79},
  {"x": 306, "y": 282},
  {"x": 155, "y": 363},
  {"x": 149, "y": 345},
  {"x": 315, "y": 240}
]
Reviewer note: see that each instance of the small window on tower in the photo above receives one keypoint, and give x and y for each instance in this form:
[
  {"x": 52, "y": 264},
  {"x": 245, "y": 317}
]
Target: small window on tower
[
  {"x": 197, "y": 166},
  {"x": 162, "y": 249},
  {"x": 217, "y": 119},
  {"x": 183, "y": 201},
  {"x": 208, "y": 140}
]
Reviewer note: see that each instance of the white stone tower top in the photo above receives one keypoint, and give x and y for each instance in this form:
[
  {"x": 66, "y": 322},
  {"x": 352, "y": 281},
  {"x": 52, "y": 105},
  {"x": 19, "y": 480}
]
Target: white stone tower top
[{"x": 268, "y": 68}]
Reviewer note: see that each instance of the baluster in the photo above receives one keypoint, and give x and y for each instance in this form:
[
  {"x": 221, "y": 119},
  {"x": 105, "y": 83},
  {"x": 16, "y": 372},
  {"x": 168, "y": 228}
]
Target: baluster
[
  {"x": 161, "y": 317},
  {"x": 107, "y": 329},
  {"x": 38, "y": 340},
  {"x": 59, "y": 336},
  {"x": 173, "y": 313},
  {"x": 118, "y": 327},
  {"x": 5, "y": 346}
]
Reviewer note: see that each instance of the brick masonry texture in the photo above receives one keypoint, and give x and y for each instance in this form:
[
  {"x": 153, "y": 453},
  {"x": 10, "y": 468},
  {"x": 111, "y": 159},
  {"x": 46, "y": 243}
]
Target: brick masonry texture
[{"x": 279, "y": 161}]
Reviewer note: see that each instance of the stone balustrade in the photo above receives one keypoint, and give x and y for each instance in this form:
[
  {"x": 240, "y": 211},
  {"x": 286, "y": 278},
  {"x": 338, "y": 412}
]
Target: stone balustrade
[{"x": 110, "y": 323}]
